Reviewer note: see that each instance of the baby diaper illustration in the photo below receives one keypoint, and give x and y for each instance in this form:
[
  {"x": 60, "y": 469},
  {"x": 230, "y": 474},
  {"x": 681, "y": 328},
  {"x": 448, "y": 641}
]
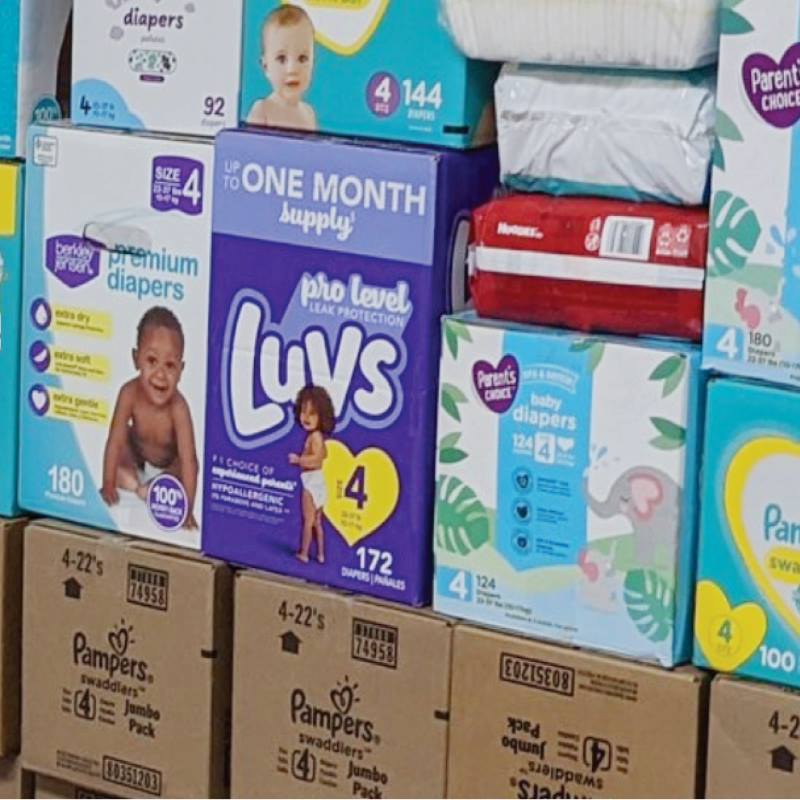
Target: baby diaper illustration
[
  {"x": 332, "y": 265},
  {"x": 114, "y": 352},
  {"x": 152, "y": 65},
  {"x": 752, "y": 308},
  {"x": 564, "y": 506},
  {"x": 748, "y": 592},
  {"x": 344, "y": 67}
]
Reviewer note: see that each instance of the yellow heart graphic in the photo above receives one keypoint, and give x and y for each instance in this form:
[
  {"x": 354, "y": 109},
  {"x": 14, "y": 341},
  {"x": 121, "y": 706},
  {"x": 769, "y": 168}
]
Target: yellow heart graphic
[
  {"x": 343, "y": 26},
  {"x": 727, "y": 636},
  {"x": 764, "y": 471},
  {"x": 363, "y": 490}
]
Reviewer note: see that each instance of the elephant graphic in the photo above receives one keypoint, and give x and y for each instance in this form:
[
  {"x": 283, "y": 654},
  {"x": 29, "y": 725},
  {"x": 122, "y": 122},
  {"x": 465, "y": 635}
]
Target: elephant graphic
[{"x": 651, "y": 500}]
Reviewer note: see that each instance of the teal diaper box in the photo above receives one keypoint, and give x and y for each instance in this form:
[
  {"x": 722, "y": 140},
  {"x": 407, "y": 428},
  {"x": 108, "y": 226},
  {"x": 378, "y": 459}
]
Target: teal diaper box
[
  {"x": 748, "y": 592},
  {"x": 34, "y": 50},
  {"x": 381, "y": 68},
  {"x": 10, "y": 300},
  {"x": 567, "y": 485}
]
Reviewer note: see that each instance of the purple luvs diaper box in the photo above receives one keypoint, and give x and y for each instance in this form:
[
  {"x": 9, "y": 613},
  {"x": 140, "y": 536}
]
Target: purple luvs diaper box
[{"x": 333, "y": 263}]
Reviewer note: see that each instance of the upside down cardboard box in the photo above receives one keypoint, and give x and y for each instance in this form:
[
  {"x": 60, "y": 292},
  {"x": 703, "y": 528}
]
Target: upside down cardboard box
[
  {"x": 753, "y": 740},
  {"x": 336, "y": 696},
  {"x": 126, "y": 665},
  {"x": 536, "y": 720}
]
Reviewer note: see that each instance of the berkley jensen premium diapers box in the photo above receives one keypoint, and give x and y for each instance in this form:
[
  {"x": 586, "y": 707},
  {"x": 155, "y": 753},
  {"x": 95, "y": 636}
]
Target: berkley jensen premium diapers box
[
  {"x": 126, "y": 664},
  {"x": 355, "y": 68},
  {"x": 333, "y": 263},
  {"x": 159, "y": 65},
  {"x": 114, "y": 334},
  {"x": 752, "y": 318}
]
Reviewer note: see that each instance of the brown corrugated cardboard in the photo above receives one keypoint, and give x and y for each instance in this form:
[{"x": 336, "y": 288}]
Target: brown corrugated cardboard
[
  {"x": 753, "y": 740},
  {"x": 126, "y": 664},
  {"x": 15, "y": 781},
  {"x": 54, "y": 789},
  {"x": 537, "y": 720},
  {"x": 335, "y": 695},
  {"x": 11, "y": 537}
]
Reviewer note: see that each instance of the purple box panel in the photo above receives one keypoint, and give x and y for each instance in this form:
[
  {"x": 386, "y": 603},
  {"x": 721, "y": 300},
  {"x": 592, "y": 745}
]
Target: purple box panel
[{"x": 331, "y": 268}]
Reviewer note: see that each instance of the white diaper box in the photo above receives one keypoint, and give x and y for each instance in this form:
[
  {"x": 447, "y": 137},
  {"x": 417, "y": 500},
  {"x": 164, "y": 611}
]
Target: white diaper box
[
  {"x": 115, "y": 298},
  {"x": 161, "y": 65}
]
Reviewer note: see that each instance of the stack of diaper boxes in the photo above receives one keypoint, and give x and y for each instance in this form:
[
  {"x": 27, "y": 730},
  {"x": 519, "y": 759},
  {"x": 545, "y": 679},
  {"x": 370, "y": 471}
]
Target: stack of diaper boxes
[{"x": 566, "y": 497}]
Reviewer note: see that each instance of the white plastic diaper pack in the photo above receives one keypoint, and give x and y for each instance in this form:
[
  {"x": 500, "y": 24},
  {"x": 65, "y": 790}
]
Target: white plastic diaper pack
[
  {"x": 163, "y": 65},
  {"x": 115, "y": 299},
  {"x": 631, "y": 135},
  {"x": 667, "y": 34},
  {"x": 32, "y": 37}
]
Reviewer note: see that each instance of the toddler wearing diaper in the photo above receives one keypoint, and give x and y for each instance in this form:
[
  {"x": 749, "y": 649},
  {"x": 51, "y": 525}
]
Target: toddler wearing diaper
[
  {"x": 151, "y": 431},
  {"x": 314, "y": 413},
  {"x": 287, "y": 58}
]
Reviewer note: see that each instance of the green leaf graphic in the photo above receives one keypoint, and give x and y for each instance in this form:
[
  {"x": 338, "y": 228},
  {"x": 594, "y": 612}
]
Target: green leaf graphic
[
  {"x": 651, "y": 604},
  {"x": 451, "y": 440},
  {"x": 462, "y": 521},
  {"x": 733, "y": 23},
  {"x": 451, "y": 455},
  {"x": 718, "y": 155},
  {"x": 451, "y": 397},
  {"x": 594, "y": 348},
  {"x": 726, "y": 127},
  {"x": 735, "y": 231},
  {"x": 671, "y": 371},
  {"x": 451, "y": 340},
  {"x": 582, "y": 345},
  {"x": 672, "y": 435}
]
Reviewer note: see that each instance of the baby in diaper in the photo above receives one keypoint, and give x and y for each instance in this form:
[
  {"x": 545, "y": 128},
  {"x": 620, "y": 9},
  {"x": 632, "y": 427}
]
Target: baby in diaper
[
  {"x": 314, "y": 413},
  {"x": 287, "y": 59},
  {"x": 151, "y": 432}
]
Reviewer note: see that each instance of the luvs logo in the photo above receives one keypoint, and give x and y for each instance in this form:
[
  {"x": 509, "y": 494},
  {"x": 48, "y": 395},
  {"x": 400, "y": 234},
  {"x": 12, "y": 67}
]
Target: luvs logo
[
  {"x": 338, "y": 719},
  {"x": 264, "y": 367},
  {"x": 114, "y": 659}
]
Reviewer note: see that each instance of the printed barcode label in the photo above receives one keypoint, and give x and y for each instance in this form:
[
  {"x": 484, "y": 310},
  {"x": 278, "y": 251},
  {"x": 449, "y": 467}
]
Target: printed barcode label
[{"x": 627, "y": 237}]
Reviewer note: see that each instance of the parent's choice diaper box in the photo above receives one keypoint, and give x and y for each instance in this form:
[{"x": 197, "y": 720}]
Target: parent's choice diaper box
[
  {"x": 356, "y": 68},
  {"x": 34, "y": 60},
  {"x": 748, "y": 592},
  {"x": 333, "y": 261},
  {"x": 11, "y": 203},
  {"x": 163, "y": 65},
  {"x": 567, "y": 485},
  {"x": 752, "y": 318},
  {"x": 126, "y": 664},
  {"x": 115, "y": 322}
]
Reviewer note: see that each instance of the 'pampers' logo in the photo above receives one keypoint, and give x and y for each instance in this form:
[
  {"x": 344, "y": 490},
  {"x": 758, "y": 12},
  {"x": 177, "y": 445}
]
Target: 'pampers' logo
[
  {"x": 337, "y": 719},
  {"x": 112, "y": 659},
  {"x": 778, "y": 529},
  {"x": 265, "y": 365}
]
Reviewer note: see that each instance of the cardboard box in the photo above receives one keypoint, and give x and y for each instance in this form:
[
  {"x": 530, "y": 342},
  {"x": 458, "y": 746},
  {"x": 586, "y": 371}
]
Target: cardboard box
[
  {"x": 752, "y": 740},
  {"x": 752, "y": 314},
  {"x": 11, "y": 203},
  {"x": 34, "y": 56},
  {"x": 117, "y": 271},
  {"x": 11, "y": 547},
  {"x": 15, "y": 782},
  {"x": 158, "y": 65},
  {"x": 368, "y": 238},
  {"x": 355, "y": 74},
  {"x": 54, "y": 789},
  {"x": 126, "y": 664},
  {"x": 566, "y": 493},
  {"x": 335, "y": 695},
  {"x": 746, "y": 617},
  {"x": 536, "y": 720}
]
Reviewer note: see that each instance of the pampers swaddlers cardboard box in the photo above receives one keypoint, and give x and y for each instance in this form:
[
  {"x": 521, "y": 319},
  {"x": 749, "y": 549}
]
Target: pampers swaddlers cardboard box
[
  {"x": 33, "y": 40},
  {"x": 11, "y": 198},
  {"x": 332, "y": 266},
  {"x": 748, "y": 593},
  {"x": 355, "y": 68},
  {"x": 566, "y": 486},
  {"x": 115, "y": 323},
  {"x": 165, "y": 65},
  {"x": 752, "y": 318}
]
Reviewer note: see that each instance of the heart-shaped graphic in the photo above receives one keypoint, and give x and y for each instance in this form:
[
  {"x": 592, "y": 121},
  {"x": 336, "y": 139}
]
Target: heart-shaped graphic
[
  {"x": 343, "y": 699},
  {"x": 119, "y": 640},
  {"x": 727, "y": 636},
  {"x": 565, "y": 445},
  {"x": 646, "y": 493},
  {"x": 772, "y": 87},
  {"x": 363, "y": 490},
  {"x": 497, "y": 386},
  {"x": 343, "y": 26},
  {"x": 39, "y": 400},
  {"x": 763, "y": 509}
]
